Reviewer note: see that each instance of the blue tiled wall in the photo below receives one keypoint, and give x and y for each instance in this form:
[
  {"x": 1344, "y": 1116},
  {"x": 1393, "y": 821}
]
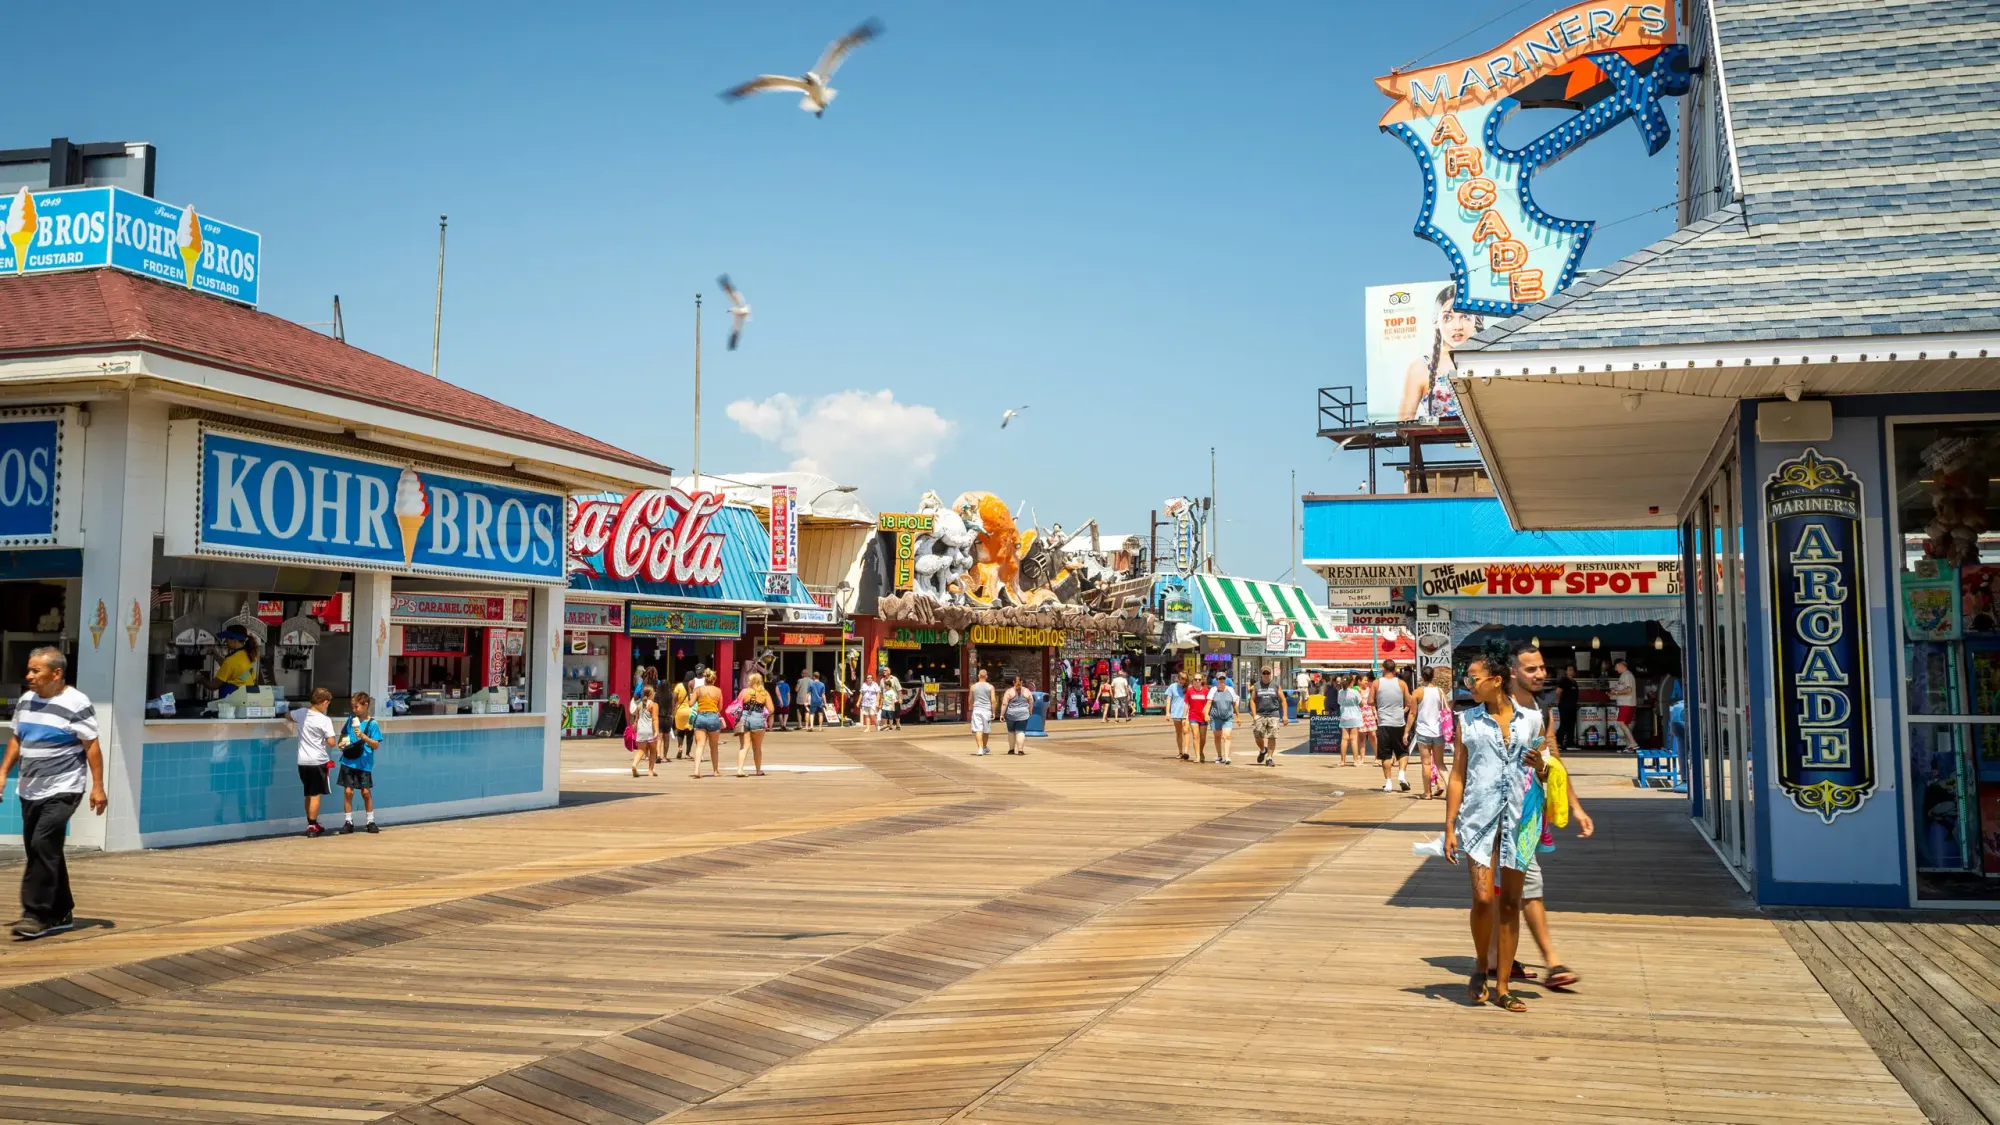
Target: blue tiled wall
[
  {"x": 250, "y": 780},
  {"x": 10, "y": 811}
]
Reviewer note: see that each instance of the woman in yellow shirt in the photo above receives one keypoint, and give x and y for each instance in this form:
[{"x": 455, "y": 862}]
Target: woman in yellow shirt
[
  {"x": 683, "y": 727},
  {"x": 707, "y": 721},
  {"x": 238, "y": 669}
]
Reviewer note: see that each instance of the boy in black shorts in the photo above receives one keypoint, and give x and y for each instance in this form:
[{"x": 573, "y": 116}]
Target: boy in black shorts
[{"x": 360, "y": 736}]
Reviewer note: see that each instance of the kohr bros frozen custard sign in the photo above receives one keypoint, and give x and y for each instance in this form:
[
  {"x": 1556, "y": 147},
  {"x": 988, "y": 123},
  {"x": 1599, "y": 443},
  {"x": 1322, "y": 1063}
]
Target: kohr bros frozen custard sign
[
  {"x": 254, "y": 498},
  {"x": 78, "y": 228}
]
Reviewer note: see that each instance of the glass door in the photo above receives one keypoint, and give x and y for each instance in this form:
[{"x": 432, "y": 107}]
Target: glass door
[
  {"x": 1736, "y": 715},
  {"x": 1706, "y": 648},
  {"x": 1721, "y": 720}
]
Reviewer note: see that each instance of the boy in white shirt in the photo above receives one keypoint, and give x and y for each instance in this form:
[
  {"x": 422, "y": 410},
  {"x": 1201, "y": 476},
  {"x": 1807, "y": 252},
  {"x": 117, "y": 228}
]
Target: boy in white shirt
[{"x": 316, "y": 737}]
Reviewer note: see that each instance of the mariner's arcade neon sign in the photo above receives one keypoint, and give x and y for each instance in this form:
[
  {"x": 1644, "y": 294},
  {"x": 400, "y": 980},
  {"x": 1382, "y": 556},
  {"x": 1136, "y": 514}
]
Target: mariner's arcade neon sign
[{"x": 1610, "y": 62}]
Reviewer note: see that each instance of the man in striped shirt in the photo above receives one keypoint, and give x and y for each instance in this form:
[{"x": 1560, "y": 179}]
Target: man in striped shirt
[{"x": 55, "y": 742}]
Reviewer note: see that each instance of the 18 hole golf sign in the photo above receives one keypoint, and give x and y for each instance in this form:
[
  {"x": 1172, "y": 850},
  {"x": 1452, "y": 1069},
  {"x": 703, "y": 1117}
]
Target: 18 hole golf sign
[{"x": 1826, "y": 759}]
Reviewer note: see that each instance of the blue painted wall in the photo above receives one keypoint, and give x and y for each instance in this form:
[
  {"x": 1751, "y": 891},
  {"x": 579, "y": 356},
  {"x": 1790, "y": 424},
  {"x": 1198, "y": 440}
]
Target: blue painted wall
[
  {"x": 1442, "y": 528},
  {"x": 1858, "y": 860},
  {"x": 251, "y": 781}
]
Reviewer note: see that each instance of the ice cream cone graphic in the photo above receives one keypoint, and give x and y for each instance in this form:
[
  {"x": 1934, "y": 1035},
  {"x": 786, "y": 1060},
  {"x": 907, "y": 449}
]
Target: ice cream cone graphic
[
  {"x": 187, "y": 236},
  {"x": 21, "y": 224},
  {"x": 413, "y": 504}
]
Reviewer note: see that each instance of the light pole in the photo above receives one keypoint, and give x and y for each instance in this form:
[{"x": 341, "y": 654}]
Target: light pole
[
  {"x": 697, "y": 392},
  {"x": 1214, "y": 539},
  {"x": 437, "y": 310}
]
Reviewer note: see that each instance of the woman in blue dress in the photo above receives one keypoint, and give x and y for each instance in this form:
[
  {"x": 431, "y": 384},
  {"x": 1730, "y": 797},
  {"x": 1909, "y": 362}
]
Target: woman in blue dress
[
  {"x": 1177, "y": 711},
  {"x": 1491, "y": 816}
]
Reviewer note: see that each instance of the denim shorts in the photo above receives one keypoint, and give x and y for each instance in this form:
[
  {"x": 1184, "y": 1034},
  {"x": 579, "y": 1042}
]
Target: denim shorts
[
  {"x": 710, "y": 721},
  {"x": 1217, "y": 723},
  {"x": 753, "y": 720}
]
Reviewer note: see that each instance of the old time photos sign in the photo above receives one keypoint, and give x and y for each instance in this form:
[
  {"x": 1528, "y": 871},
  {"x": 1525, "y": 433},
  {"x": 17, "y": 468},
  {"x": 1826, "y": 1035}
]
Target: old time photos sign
[{"x": 1825, "y": 752}]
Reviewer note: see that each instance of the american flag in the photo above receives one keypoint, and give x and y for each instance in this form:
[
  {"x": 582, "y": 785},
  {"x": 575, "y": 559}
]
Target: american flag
[{"x": 163, "y": 595}]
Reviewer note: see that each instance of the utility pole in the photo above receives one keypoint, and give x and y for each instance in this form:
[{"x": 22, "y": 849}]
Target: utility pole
[
  {"x": 1292, "y": 518},
  {"x": 697, "y": 392},
  {"x": 339, "y": 327},
  {"x": 1153, "y": 541},
  {"x": 437, "y": 315}
]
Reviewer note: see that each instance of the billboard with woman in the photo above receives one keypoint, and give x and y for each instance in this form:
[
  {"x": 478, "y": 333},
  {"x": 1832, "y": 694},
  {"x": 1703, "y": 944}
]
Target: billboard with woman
[{"x": 1412, "y": 332}]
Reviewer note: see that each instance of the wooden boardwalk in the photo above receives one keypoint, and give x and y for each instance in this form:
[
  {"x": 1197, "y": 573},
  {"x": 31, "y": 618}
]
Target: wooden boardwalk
[
  {"x": 1093, "y": 933},
  {"x": 1924, "y": 987}
]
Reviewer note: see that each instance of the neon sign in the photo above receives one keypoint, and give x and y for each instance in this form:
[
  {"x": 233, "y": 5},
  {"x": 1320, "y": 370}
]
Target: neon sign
[
  {"x": 1825, "y": 751},
  {"x": 1609, "y": 61}
]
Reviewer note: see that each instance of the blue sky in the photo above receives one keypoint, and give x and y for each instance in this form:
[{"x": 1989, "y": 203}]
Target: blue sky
[{"x": 1151, "y": 223}]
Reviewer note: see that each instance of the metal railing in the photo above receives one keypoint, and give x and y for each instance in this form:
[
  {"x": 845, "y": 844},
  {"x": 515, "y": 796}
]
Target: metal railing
[{"x": 1341, "y": 409}]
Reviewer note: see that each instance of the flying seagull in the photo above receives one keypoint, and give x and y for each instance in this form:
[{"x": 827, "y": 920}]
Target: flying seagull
[
  {"x": 813, "y": 84},
  {"x": 1010, "y": 415},
  {"x": 739, "y": 310}
]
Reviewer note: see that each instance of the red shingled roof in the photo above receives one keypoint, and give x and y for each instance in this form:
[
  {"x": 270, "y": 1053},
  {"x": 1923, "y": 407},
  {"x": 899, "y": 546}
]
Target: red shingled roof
[{"x": 58, "y": 312}]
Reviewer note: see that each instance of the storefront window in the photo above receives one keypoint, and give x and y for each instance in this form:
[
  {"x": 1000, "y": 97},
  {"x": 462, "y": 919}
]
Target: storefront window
[
  {"x": 586, "y": 665},
  {"x": 455, "y": 651},
  {"x": 241, "y": 640},
  {"x": 1948, "y": 610},
  {"x": 33, "y": 613}
]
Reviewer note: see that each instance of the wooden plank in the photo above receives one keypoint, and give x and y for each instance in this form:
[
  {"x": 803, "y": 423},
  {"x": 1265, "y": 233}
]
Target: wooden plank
[{"x": 1093, "y": 933}]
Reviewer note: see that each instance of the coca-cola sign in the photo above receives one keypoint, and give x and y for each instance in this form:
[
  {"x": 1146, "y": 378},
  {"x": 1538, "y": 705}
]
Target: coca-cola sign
[{"x": 656, "y": 535}]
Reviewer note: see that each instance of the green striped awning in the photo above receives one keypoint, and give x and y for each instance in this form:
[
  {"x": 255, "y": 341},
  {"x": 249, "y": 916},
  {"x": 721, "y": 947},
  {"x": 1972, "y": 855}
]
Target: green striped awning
[{"x": 1240, "y": 607}]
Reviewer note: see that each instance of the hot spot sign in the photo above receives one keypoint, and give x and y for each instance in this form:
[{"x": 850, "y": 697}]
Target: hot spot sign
[
  {"x": 1645, "y": 578},
  {"x": 1611, "y": 61}
]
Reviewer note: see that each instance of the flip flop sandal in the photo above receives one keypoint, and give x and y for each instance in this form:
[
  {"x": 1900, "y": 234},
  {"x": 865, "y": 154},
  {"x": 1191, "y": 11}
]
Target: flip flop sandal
[
  {"x": 1510, "y": 1002},
  {"x": 1475, "y": 987},
  {"x": 1561, "y": 978},
  {"x": 1520, "y": 972}
]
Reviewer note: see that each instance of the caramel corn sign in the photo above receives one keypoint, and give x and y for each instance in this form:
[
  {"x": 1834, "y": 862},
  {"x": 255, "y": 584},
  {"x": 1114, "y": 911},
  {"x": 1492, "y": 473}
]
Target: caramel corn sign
[{"x": 1610, "y": 61}]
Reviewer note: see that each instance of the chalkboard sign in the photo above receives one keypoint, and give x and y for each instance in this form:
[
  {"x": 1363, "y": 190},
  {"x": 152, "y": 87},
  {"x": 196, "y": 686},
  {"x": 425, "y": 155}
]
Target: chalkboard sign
[
  {"x": 433, "y": 640},
  {"x": 1325, "y": 737}
]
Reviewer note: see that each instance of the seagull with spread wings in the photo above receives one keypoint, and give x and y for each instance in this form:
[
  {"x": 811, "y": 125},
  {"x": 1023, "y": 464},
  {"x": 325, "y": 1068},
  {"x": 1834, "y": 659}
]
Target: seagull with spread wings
[
  {"x": 739, "y": 310},
  {"x": 813, "y": 84},
  {"x": 1010, "y": 416}
]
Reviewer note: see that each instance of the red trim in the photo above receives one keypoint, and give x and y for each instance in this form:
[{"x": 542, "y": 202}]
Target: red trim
[{"x": 621, "y": 665}]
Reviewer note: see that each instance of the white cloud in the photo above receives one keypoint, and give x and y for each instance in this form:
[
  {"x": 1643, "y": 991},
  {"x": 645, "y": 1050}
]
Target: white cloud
[{"x": 863, "y": 438}]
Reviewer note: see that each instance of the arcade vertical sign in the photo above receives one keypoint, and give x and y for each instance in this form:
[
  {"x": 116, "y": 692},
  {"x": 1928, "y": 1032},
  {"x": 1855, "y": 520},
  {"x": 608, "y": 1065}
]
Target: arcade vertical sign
[
  {"x": 1609, "y": 61},
  {"x": 1825, "y": 750}
]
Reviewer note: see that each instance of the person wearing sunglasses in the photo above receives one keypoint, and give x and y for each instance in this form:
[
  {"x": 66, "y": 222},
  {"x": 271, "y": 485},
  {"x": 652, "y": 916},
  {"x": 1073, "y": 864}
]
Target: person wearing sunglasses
[{"x": 1489, "y": 818}]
